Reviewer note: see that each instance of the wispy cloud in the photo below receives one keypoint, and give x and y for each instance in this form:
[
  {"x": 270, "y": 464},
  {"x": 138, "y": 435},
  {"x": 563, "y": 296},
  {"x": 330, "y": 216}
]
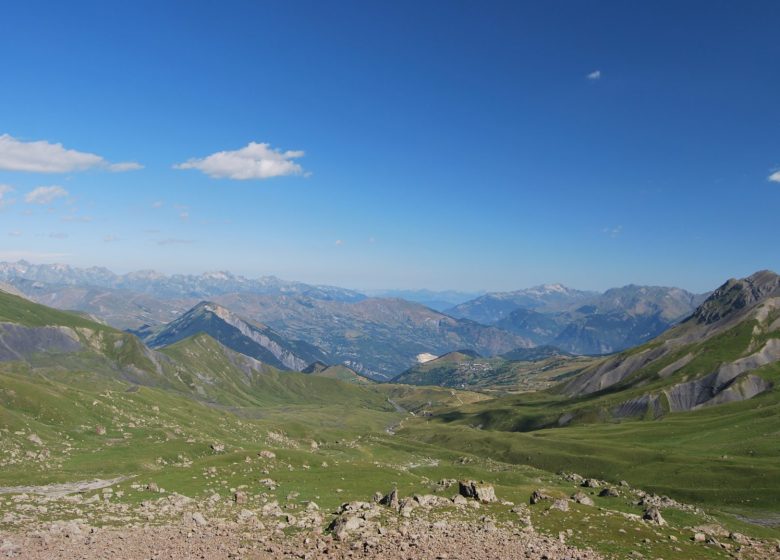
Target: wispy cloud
[
  {"x": 45, "y": 195},
  {"x": 595, "y": 75},
  {"x": 613, "y": 231},
  {"x": 339, "y": 242},
  {"x": 58, "y": 235},
  {"x": 775, "y": 177},
  {"x": 110, "y": 238},
  {"x": 254, "y": 161},
  {"x": 74, "y": 218},
  {"x": 31, "y": 256},
  {"x": 157, "y": 204},
  {"x": 42, "y": 156},
  {"x": 4, "y": 190},
  {"x": 174, "y": 241},
  {"x": 15, "y": 233}
]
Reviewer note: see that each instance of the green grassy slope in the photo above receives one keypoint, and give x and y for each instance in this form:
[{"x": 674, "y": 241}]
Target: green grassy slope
[{"x": 474, "y": 373}]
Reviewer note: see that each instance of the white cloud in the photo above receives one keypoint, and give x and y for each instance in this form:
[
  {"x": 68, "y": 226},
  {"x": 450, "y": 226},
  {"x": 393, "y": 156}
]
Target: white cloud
[
  {"x": 15, "y": 233},
  {"x": 44, "y": 157},
  {"x": 339, "y": 242},
  {"x": 45, "y": 195},
  {"x": 775, "y": 177},
  {"x": 110, "y": 238},
  {"x": 157, "y": 204},
  {"x": 254, "y": 161},
  {"x": 124, "y": 166},
  {"x": 58, "y": 235},
  {"x": 595, "y": 75},
  {"x": 4, "y": 190},
  {"x": 613, "y": 231}
]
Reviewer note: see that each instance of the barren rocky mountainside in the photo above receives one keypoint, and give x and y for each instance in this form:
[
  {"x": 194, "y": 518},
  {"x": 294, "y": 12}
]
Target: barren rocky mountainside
[{"x": 713, "y": 357}]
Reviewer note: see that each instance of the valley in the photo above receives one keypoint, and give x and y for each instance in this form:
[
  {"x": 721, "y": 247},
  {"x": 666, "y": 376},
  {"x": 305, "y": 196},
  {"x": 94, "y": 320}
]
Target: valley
[{"x": 209, "y": 442}]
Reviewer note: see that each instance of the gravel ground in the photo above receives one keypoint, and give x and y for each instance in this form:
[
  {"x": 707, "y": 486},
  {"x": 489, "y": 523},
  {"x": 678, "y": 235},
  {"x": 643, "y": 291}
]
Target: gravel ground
[{"x": 419, "y": 540}]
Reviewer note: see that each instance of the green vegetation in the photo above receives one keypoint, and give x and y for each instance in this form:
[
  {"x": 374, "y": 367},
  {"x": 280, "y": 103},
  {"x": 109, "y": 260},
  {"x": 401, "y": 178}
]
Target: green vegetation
[
  {"x": 467, "y": 371},
  {"x": 194, "y": 417}
]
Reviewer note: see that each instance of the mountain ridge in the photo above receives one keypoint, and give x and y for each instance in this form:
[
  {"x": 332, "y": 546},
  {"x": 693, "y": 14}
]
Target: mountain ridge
[{"x": 251, "y": 339}]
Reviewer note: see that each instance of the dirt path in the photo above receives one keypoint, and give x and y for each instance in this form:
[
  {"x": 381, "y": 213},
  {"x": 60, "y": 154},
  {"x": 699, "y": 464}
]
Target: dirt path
[{"x": 65, "y": 488}]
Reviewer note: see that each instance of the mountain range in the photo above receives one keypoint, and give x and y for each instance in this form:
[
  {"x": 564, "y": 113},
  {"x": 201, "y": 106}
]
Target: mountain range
[
  {"x": 583, "y": 322},
  {"x": 691, "y": 414},
  {"x": 376, "y": 336}
]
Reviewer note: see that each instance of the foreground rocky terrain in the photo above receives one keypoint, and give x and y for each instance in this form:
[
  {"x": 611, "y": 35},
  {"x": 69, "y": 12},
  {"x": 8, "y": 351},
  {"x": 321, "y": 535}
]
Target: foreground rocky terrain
[{"x": 92, "y": 520}]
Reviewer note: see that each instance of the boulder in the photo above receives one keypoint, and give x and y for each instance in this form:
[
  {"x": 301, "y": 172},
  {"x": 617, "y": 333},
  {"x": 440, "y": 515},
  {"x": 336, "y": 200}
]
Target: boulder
[
  {"x": 342, "y": 526},
  {"x": 391, "y": 499},
  {"x": 653, "y": 515},
  {"x": 240, "y": 497},
  {"x": 562, "y": 505},
  {"x": 609, "y": 492},
  {"x": 582, "y": 498},
  {"x": 591, "y": 483},
  {"x": 199, "y": 520},
  {"x": 481, "y": 492},
  {"x": 539, "y": 495}
]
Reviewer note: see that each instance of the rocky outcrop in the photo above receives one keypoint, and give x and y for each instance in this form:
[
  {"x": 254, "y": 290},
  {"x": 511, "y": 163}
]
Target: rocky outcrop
[{"x": 479, "y": 491}]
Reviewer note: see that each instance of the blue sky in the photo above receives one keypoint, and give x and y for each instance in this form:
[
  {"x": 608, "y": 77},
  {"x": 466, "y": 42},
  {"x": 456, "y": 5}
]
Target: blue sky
[{"x": 490, "y": 145}]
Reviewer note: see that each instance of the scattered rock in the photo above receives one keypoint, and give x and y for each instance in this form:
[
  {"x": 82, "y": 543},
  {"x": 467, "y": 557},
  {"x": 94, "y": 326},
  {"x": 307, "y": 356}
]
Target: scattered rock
[
  {"x": 609, "y": 492},
  {"x": 199, "y": 520},
  {"x": 239, "y": 497},
  {"x": 35, "y": 438},
  {"x": 100, "y": 430},
  {"x": 591, "y": 483},
  {"x": 9, "y": 549},
  {"x": 218, "y": 447},
  {"x": 653, "y": 515}
]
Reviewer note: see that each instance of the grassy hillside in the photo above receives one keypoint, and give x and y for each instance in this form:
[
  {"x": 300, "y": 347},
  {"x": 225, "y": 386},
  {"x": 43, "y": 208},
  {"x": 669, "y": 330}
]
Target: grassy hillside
[
  {"x": 216, "y": 374},
  {"x": 464, "y": 371},
  {"x": 726, "y": 457},
  {"x": 15, "y": 309}
]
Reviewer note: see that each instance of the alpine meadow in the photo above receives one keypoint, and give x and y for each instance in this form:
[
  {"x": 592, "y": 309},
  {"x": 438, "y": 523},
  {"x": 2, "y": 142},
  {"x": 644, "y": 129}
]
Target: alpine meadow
[{"x": 403, "y": 281}]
